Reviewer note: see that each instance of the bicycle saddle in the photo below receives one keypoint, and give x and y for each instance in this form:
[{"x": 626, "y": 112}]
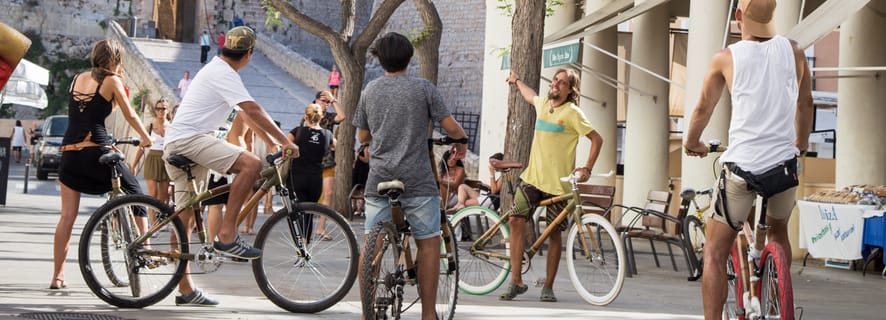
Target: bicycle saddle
[
  {"x": 391, "y": 188},
  {"x": 501, "y": 164},
  {"x": 179, "y": 161},
  {"x": 687, "y": 193},
  {"x": 477, "y": 184},
  {"x": 111, "y": 159}
]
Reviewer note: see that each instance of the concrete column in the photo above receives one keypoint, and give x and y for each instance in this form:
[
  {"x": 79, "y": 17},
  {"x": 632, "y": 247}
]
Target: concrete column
[
  {"x": 646, "y": 141},
  {"x": 787, "y": 15},
  {"x": 494, "y": 110},
  {"x": 860, "y": 127},
  {"x": 706, "y": 26},
  {"x": 564, "y": 15},
  {"x": 601, "y": 108}
]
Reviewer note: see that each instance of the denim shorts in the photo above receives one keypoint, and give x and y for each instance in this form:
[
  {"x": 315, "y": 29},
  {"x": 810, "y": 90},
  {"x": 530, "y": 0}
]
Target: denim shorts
[{"x": 422, "y": 213}]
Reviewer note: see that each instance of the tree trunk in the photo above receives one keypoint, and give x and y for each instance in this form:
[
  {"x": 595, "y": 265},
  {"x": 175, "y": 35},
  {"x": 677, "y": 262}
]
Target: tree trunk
[
  {"x": 527, "y": 33},
  {"x": 427, "y": 46},
  {"x": 349, "y": 53}
]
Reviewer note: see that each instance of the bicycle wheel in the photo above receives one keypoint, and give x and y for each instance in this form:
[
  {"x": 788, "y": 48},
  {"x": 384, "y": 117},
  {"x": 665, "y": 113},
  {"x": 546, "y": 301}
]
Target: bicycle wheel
[
  {"x": 310, "y": 274},
  {"x": 480, "y": 273},
  {"x": 447, "y": 288},
  {"x": 733, "y": 309},
  {"x": 598, "y": 278},
  {"x": 693, "y": 239},
  {"x": 382, "y": 274},
  {"x": 776, "y": 290},
  {"x": 148, "y": 278}
]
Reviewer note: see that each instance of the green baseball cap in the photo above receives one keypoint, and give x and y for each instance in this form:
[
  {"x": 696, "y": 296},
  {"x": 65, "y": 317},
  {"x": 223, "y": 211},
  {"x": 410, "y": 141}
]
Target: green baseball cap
[{"x": 240, "y": 38}]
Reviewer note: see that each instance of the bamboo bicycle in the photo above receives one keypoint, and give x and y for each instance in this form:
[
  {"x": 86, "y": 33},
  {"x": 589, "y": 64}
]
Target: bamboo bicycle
[
  {"x": 594, "y": 251},
  {"x": 389, "y": 264},
  {"x": 296, "y": 272}
]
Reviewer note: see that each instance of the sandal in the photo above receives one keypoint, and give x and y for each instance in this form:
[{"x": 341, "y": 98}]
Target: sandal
[
  {"x": 547, "y": 295},
  {"x": 247, "y": 231},
  {"x": 324, "y": 236},
  {"x": 269, "y": 210},
  {"x": 513, "y": 291},
  {"x": 61, "y": 284}
]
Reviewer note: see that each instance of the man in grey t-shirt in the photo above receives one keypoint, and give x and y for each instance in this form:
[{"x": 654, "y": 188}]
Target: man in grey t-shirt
[{"x": 393, "y": 116}]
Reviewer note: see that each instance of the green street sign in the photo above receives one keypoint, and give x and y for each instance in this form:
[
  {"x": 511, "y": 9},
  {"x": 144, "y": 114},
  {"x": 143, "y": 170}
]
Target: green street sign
[
  {"x": 560, "y": 55},
  {"x": 506, "y": 61}
]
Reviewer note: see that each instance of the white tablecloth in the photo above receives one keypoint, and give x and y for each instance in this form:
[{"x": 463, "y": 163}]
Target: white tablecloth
[{"x": 831, "y": 230}]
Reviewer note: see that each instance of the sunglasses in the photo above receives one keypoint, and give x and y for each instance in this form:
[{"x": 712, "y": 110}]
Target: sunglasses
[
  {"x": 158, "y": 109},
  {"x": 325, "y": 101}
]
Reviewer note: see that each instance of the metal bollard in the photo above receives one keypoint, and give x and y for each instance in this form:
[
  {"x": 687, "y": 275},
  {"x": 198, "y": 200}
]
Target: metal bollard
[{"x": 27, "y": 170}]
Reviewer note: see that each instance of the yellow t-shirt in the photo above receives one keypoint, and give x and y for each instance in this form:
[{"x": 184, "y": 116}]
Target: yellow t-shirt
[{"x": 553, "y": 147}]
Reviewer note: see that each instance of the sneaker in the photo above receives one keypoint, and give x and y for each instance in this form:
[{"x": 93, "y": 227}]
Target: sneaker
[
  {"x": 196, "y": 298},
  {"x": 238, "y": 249}
]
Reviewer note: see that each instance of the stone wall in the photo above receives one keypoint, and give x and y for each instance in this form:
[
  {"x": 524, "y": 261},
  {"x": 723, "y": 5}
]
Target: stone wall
[{"x": 293, "y": 63}]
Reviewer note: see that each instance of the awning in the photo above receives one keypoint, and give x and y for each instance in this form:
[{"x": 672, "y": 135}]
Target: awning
[
  {"x": 25, "y": 86},
  {"x": 577, "y": 27},
  {"x": 594, "y": 25},
  {"x": 823, "y": 20}
]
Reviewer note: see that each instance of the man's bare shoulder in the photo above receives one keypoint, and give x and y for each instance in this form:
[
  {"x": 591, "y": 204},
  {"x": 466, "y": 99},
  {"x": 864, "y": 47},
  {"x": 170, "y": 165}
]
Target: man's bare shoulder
[{"x": 722, "y": 58}]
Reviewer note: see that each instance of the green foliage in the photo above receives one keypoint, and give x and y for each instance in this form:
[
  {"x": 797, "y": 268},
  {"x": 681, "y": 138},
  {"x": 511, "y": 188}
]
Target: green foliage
[
  {"x": 272, "y": 20},
  {"x": 507, "y": 7},
  {"x": 137, "y": 98},
  {"x": 416, "y": 36},
  {"x": 103, "y": 24},
  {"x": 6, "y": 111},
  {"x": 37, "y": 50}
]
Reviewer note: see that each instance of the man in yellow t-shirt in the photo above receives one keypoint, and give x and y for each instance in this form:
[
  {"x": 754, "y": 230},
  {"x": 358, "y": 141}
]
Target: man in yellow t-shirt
[{"x": 558, "y": 125}]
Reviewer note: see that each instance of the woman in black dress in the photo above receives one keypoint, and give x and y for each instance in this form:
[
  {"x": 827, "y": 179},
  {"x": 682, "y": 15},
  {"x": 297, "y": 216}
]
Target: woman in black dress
[
  {"x": 306, "y": 172},
  {"x": 93, "y": 96}
]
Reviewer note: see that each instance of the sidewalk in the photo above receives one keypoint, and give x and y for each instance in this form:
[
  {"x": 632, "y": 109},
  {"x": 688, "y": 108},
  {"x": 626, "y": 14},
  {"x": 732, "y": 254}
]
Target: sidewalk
[{"x": 27, "y": 224}]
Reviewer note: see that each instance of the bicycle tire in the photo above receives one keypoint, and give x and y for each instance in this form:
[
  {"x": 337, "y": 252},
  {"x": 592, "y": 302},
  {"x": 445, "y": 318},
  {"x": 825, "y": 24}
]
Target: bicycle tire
[
  {"x": 776, "y": 293},
  {"x": 307, "y": 285},
  {"x": 607, "y": 283},
  {"x": 693, "y": 241},
  {"x": 447, "y": 288},
  {"x": 381, "y": 273},
  {"x": 480, "y": 274},
  {"x": 151, "y": 278},
  {"x": 733, "y": 308}
]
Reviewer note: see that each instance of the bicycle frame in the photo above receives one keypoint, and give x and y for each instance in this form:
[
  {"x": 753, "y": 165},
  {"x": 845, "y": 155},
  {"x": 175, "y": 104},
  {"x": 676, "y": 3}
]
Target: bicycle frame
[
  {"x": 572, "y": 199},
  {"x": 272, "y": 178},
  {"x": 751, "y": 300}
]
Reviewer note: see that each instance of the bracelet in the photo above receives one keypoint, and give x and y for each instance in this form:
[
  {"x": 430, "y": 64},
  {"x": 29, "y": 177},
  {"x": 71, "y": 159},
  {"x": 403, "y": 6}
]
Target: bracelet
[{"x": 515, "y": 81}]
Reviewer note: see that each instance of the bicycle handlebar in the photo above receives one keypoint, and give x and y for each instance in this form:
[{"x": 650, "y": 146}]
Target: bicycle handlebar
[
  {"x": 130, "y": 141},
  {"x": 446, "y": 140}
]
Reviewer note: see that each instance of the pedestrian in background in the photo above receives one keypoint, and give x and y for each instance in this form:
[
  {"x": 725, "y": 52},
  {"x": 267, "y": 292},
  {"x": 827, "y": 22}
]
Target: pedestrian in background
[
  {"x": 183, "y": 84},
  {"x": 18, "y": 141},
  {"x": 220, "y": 41},
  {"x": 334, "y": 80},
  {"x": 154, "y": 169},
  {"x": 93, "y": 96},
  {"x": 204, "y": 46},
  {"x": 306, "y": 172}
]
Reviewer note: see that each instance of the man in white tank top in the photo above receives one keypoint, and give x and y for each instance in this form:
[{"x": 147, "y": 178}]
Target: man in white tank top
[{"x": 769, "y": 82}]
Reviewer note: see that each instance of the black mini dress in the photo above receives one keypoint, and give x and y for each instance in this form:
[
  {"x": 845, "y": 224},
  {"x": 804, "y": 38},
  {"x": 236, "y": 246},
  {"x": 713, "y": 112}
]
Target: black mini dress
[{"x": 80, "y": 170}]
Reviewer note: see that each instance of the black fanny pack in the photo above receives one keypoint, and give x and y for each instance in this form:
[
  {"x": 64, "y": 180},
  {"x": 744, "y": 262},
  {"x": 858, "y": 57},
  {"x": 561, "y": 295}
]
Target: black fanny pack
[{"x": 771, "y": 182}]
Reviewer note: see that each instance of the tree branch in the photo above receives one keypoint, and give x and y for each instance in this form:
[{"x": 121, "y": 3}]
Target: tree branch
[
  {"x": 376, "y": 24},
  {"x": 305, "y": 22},
  {"x": 348, "y": 9}
]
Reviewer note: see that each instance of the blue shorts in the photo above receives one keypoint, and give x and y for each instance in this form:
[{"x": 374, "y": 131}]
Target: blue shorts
[{"x": 422, "y": 213}]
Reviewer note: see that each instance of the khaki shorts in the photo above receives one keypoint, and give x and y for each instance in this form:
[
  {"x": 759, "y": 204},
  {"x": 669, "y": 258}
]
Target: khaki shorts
[
  {"x": 329, "y": 172},
  {"x": 208, "y": 152},
  {"x": 740, "y": 201}
]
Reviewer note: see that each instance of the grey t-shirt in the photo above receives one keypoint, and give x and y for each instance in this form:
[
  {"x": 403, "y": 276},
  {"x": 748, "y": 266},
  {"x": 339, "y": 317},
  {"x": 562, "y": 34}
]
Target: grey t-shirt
[{"x": 397, "y": 111}]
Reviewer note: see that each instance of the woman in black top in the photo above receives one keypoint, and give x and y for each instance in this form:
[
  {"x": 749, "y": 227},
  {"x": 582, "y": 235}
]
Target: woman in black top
[
  {"x": 306, "y": 172},
  {"x": 93, "y": 96}
]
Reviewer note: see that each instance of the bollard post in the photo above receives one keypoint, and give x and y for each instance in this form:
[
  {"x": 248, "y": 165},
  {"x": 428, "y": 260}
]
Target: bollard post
[{"x": 27, "y": 170}]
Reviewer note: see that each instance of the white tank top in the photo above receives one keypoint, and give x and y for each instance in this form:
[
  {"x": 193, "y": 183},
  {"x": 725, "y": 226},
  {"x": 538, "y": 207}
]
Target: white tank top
[
  {"x": 158, "y": 141},
  {"x": 764, "y": 104}
]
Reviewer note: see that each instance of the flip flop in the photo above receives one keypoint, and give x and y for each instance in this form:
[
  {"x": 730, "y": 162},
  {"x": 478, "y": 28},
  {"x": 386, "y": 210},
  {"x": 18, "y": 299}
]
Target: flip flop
[
  {"x": 547, "y": 295},
  {"x": 324, "y": 236},
  {"x": 513, "y": 291},
  {"x": 61, "y": 285}
]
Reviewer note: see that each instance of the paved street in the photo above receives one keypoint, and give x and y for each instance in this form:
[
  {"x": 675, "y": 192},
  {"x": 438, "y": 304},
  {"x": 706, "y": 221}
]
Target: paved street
[{"x": 27, "y": 224}]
